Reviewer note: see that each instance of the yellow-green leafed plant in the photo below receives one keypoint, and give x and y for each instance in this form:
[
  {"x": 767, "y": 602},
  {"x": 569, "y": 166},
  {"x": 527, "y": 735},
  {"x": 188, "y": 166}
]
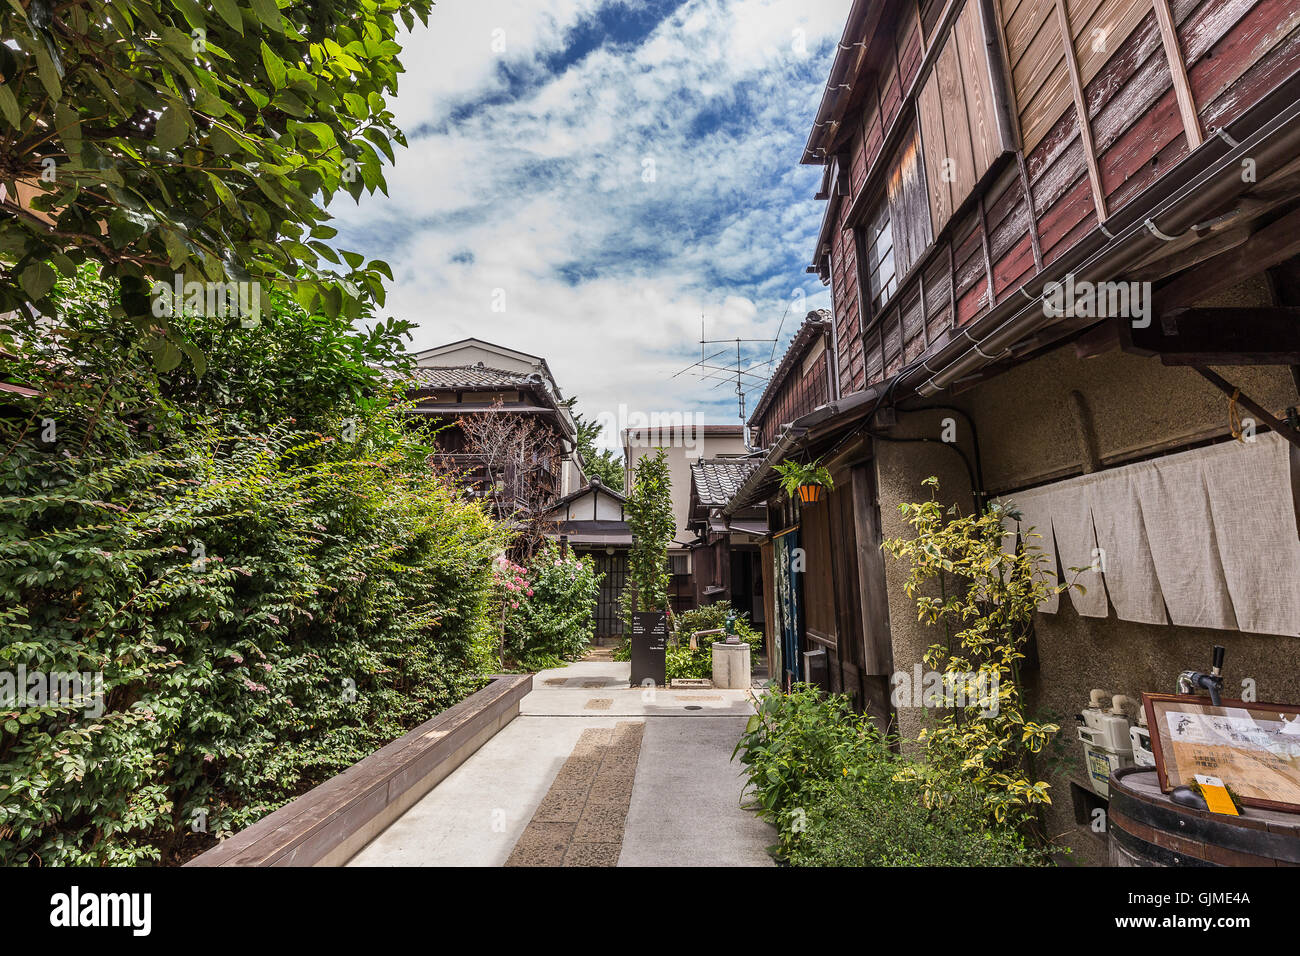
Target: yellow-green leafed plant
[{"x": 983, "y": 600}]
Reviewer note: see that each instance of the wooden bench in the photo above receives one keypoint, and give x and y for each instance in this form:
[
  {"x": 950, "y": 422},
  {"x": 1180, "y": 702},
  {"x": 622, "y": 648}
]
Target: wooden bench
[{"x": 330, "y": 824}]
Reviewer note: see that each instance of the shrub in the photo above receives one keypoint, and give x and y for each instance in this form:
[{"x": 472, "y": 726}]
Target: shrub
[
  {"x": 681, "y": 661},
  {"x": 876, "y": 819},
  {"x": 796, "y": 739},
  {"x": 839, "y": 796},
  {"x": 983, "y": 601},
  {"x": 267, "y": 602},
  {"x": 550, "y": 608}
]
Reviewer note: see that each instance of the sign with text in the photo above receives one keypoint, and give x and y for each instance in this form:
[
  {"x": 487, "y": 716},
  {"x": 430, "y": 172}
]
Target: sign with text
[{"x": 649, "y": 647}]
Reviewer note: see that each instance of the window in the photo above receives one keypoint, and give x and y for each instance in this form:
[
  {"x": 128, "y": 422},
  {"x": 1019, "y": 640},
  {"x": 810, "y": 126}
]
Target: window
[
  {"x": 677, "y": 564},
  {"x": 879, "y": 236}
]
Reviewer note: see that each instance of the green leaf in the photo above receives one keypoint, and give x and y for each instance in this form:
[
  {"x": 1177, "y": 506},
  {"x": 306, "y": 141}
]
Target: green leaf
[
  {"x": 48, "y": 73},
  {"x": 69, "y": 126},
  {"x": 38, "y": 280},
  {"x": 274, "y": 66},
  {"x": 191, "y": 10},
  {"x": 268, "y": 12},
  {"x": 229, "y": 12},
  {"x": 173, "y": 126},
  {"x": 9, "y": 106}
]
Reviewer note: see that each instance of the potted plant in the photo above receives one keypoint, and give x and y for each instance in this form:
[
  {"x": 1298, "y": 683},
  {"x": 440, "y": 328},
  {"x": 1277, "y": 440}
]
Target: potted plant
[{"x": 805, "y": 480}]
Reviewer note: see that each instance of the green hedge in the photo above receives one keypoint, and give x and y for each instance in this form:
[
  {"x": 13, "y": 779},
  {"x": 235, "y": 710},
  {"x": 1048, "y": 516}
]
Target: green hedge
[{"x": 267, "y": 601}]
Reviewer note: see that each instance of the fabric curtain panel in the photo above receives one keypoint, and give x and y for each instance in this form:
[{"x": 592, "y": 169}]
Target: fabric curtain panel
[
  {"x": 1076, "y": 547},
  {"x": 1035, "y": 529},
  {"x": 1204, "y": 538},
  {"x": 1180, "y": 533},
  {"x": 1126, "y": 562},
  {"x": 1255, "y": 528}
]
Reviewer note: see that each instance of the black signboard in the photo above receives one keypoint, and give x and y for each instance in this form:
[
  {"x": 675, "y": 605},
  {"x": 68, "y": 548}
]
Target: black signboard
[{"x": 649, "y": 647}]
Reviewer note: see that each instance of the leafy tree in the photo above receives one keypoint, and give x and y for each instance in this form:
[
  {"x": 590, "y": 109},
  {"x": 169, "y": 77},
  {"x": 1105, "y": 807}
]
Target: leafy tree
[
  {"x": 600, "y": 462},
  {"x": 649, "y": 512},
  {"x": 167, "y": 138}
]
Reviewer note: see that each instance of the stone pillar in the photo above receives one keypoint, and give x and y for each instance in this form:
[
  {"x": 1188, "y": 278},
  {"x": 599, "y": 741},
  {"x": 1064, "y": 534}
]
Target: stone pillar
[{"x": 731, "y": 666}]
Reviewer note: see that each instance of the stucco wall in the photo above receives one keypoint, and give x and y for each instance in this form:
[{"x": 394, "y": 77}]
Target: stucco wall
[{"x": 1028, "y": 434}]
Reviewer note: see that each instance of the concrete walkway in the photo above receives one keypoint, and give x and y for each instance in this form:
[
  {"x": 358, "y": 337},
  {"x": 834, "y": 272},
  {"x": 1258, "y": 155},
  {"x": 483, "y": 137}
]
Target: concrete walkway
[{"x": 684, "y": 807}]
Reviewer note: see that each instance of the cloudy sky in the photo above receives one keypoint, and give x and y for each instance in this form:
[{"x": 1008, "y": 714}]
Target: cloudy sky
[{"x": 586, "y": 178}]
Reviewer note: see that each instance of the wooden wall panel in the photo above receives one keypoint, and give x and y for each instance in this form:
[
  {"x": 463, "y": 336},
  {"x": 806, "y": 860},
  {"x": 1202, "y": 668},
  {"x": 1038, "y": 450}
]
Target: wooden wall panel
[
  {"x": 1282, "y": 62},
  {"x": 799, "y": 394},
  {"x": 936, "y": 179},
  {"x": 960, "y": 133},
  {"x": 1100, "y": 28},
  {"x": 913, "y": 323},
  {"x": 1235, "y": 51},
  {"x": 907, "y": 40},
  {"x": 909, "y": 212},
  {"x": 938, "y": 294},
  {"x": 892, "y": 336},
  {"x": 1035, "y": 51},
  {"x": 1130, "y": 161},
  {"x": 985, "y": 135},
  {"x": 848, "y": 328},
  {"x": 818, "y": 586}
]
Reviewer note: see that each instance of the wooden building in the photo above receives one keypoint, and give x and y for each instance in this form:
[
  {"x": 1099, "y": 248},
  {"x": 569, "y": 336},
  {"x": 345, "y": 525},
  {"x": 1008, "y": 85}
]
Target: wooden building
[
  {"x": 725, "y": 555},
  {"x": 472, "y": 378},
  {"x": 591, "y": 520},
  {"x": 1061, "y": 240}
]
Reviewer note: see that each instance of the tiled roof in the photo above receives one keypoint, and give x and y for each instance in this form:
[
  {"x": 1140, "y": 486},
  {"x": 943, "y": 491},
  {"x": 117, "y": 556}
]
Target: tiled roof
[
  {"x": 718, "y": 479},
  {"x": 472, "y": 376}
]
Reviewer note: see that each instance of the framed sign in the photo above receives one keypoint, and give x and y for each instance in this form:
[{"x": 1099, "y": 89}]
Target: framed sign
[
  {"x": 1254, "y": 748},
  {"x": 649, "y": 647}
]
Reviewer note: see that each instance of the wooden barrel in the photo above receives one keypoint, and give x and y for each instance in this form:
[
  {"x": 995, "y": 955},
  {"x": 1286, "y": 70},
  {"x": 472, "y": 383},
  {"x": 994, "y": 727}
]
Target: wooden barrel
[{"x": 1146, "y": 828}]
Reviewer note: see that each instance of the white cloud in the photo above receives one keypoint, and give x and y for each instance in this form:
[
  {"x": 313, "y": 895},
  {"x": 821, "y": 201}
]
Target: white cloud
[{"x": 544, "y": 193}]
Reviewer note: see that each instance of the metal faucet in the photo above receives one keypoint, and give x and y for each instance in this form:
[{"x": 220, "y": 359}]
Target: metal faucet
[{"x": 1189, "y": 682}]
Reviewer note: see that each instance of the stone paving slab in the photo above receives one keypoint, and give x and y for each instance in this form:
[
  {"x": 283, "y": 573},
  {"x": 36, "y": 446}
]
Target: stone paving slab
[{"x": 646, "y": 783}]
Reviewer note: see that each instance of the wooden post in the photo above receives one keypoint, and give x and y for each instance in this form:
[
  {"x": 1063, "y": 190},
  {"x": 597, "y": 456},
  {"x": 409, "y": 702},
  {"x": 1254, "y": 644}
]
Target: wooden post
[
  {"x": 1178, "y": 70},
  {"x": 1081, "y": 109}
]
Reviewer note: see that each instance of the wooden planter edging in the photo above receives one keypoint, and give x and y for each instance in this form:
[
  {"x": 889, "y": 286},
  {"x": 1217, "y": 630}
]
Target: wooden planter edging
[{"x": 327, "y": 826}]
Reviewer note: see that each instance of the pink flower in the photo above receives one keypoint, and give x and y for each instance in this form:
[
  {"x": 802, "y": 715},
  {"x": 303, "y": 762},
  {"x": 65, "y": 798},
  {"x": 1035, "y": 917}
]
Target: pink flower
[{"x": 514, "y": 604}]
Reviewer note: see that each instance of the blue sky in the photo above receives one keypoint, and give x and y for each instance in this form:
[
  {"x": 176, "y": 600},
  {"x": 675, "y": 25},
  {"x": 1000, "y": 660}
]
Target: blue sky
[{"x": 585, "y": 178}]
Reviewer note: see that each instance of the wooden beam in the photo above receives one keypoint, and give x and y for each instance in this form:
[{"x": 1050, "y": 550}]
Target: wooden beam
[
  {"x": 1081, "y": 111},
  {"x": 878, "y": 649},
  {"x": 1268, "y": 335},
  {"x": 1252, "y": 406},
  {"x": 1178, "y": 70},
  {"x": 1268, "y": 247}
]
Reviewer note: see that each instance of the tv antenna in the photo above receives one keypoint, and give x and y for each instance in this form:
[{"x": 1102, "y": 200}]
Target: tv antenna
[{"x": 720, "y": 366}]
